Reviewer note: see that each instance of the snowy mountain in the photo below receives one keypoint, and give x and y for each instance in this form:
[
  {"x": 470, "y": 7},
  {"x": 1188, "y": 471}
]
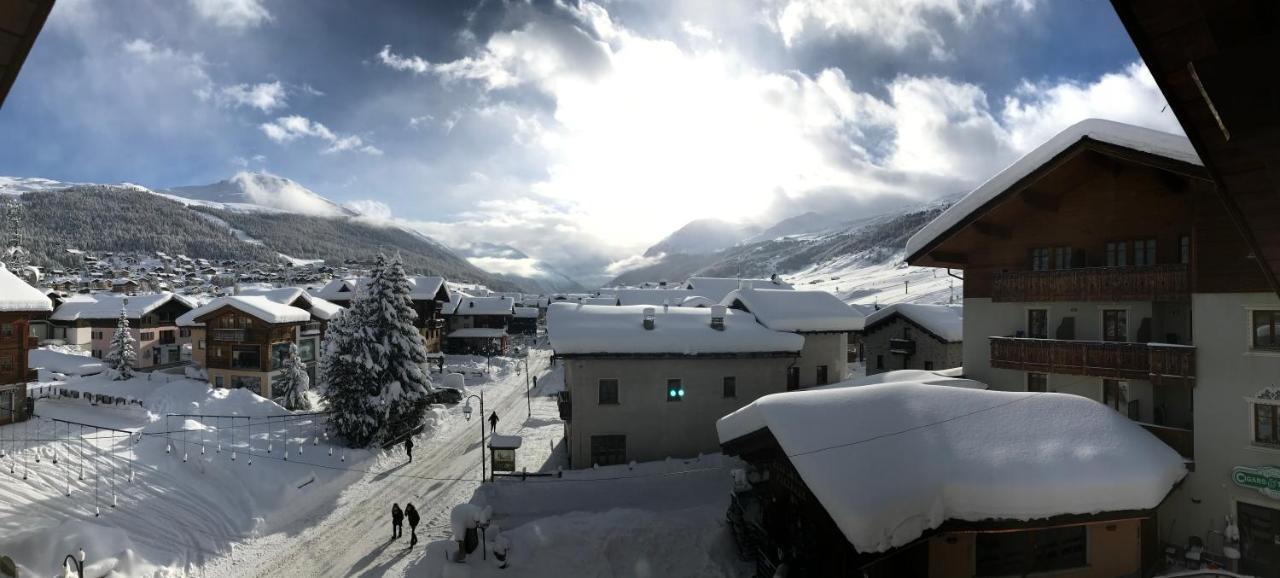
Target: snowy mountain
[
  {"x": 257, "y": 191},
  {"x": 508, "y": 262},
  {"x": 701, "y": 237},
  {"x": 859, "y": 259}
]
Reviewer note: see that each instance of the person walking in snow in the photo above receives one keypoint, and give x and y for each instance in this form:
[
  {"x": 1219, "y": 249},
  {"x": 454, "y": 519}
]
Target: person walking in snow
[
  {"x": 411, "y": 513},
  {"x": 408, "y": 447},
  {"x": 397, "y": 521},
  {"x": 493, "y": 422}
]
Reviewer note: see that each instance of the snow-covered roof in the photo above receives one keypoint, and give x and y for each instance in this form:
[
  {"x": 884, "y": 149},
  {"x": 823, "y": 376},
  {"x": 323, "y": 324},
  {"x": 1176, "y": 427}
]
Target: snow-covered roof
[
  {"x": 108, "y": 305},
  {"x": 17, "y": 295},
  {"x": 1137, "y": 138},
  {"x": 484, "y": 306},
  {"x": 476, "y": 332},
  {"x": 651, "y": 296},
  {"x": 504, "y": 442},
  {"x": 526, "y": 312},
  {"x": 320, "y": 308},
  {"x": 420, "y": 287},
  {"x": 255, "y": 305},
  {"x": 601, "y": 300},
  {"x": 788, "y": 310},
  {"x": 950, "y": 377},
  {"x": 945, "y": 321},
  {"x": 889, "y": 462},
  {"x": 715, "y": 288},
  {"x": 586, "y": 329},
  {"x": 697, "y": 301}
]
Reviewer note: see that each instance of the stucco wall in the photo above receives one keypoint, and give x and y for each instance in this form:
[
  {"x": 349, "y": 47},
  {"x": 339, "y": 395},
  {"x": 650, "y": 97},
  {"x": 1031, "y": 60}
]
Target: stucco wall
[
  {"x": 829, "y": 349},
  {"x": 656, "y": 428},
  {"x": 1228, "y": 375}
]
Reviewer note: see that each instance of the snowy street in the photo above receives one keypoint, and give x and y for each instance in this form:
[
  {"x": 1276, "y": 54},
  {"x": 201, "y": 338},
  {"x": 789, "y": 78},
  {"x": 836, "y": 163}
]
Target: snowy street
[{"x": 352, "y": 538}]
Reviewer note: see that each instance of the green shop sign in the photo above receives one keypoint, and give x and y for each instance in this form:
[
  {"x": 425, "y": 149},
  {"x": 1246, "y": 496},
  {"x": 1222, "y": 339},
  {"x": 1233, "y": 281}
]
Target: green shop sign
[{"x": 1265, "y": 479}]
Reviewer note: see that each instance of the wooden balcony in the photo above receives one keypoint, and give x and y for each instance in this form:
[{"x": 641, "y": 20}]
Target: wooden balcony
[
  {"x": 1166, "y": 283},
  {"x": 231, "y": 335},
  {"x": 1158, "y": 363},
  {"x": 1181, "y": 440}
]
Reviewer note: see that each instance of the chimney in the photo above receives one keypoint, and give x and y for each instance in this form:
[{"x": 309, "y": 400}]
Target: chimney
[
  {"x": 665, "y": 304},
  {"x": 742, "y": 283},
  {"x": 648, "y": 317},
  {"x": 717, "y": 317}
]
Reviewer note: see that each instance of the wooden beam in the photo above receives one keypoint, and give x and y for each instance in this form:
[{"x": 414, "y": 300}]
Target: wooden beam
[
  {"x": 993, "y": 230},
  {"x": 948, "y": 257}
]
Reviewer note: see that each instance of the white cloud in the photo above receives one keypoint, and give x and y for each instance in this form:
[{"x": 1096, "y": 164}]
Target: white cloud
[
  {"x": 265, "y": 96},
  {"x": 238, "y": 14},
  {"x": 370, "y": 208},
  {"x": 290, "y": 128},
  {"x": 525, "y": 267},
  {"x": 633, "y": 262},
  {"x": 893, "y": 23}
]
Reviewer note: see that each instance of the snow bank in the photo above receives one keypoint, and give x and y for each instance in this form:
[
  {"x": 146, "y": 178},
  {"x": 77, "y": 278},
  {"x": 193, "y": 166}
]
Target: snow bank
[
  {"x": 788, "y": 310},
  {"x": 1132, "y": 137},
  {"x": 945, "y": 377},
  {"x": 63, "y": 362},
  {"x": 890, "y": 461},
  {"x": 677, "y": 330},
  {"x": 193, "y": 397},
  {"x": 17, "y": 295},
  {"x": 945, "y": 321},
  {"x": 41, "y": 546}
]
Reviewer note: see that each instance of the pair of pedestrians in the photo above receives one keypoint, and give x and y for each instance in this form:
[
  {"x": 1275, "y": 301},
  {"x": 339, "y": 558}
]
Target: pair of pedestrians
[{"x": 397, "y": 521}]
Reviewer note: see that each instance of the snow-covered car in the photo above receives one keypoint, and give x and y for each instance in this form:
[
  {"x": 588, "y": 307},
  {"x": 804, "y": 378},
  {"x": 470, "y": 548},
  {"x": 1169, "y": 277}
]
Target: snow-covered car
[{"x": 446, "y": 395}]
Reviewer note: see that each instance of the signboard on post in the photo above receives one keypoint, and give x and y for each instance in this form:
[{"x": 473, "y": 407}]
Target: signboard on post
[
  {"x": 1265, "y": 479},
  {"x": 503, "y": 451}
]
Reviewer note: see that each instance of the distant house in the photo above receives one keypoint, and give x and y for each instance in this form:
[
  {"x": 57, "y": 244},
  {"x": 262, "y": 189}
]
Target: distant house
[
  {"x": 242, "y": 341},
  {"x": 672, "y": 297},
  {"x": 125, "y": 285},
  {"x": 914, "y": 336},
  {"x": 89, "y": 322},
  {"x": 478, "y": 325},
  {"x": 19, "y": 304},
  {"x": 715, "y": 288},
  {"x": 430, "y": 298},
  {"x": 524, "y": 321},
  {"x": 644, "y": 382},
  {"x": 822, "y": 319}
]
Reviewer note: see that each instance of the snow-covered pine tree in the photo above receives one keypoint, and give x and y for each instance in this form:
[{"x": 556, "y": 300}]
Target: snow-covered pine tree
[
  {"x": 400, "y": 351},
  {"x": 347, "y": 377},
  {"x": 292, "y": 383},
  {"x": 121, "y": 355}
]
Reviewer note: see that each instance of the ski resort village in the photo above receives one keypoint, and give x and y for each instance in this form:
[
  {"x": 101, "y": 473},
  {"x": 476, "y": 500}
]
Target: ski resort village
[{"x": 757, "y": 289}]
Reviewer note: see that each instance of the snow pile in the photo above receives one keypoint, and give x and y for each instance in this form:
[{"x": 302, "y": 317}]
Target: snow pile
[
  {"x": 788, "y": 310},
  {"x": 891, "y": 461},
  {"x": 715, "y": 288},
  {"x": 17, "y": 295},
  {"x": 40, "y": 548},
  {"x": 602, "y": 300},
  {"x": 318, "y": 307},
  {"x": 948, "y": 377},
  {"x": 193, "y": 397},
  {"x": 108, "y": 305},
  {"x": 944, "y": 321},
  {"x": 256, "y": 305},
  {"x": 59, "y": 361},
  {"x": 581, "y": 329},
  {"x": 1132, "y": 137}
]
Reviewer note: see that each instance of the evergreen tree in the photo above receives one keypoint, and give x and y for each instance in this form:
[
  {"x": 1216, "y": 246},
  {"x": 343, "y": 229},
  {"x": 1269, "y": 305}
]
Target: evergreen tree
[
  {"x": 399, "y": 350},
  {"x": 293, "y": 382},
  {"x": 347, "y": 378},
  {"x": 121, "y": 356}
]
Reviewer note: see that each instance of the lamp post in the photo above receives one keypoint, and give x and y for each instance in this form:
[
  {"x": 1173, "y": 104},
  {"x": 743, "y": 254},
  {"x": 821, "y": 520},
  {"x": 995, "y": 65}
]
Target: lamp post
[
  {"x": 528, "y": 402},
  {"x": 78, "y": 564},
  {"x": 466, "y": 413}
]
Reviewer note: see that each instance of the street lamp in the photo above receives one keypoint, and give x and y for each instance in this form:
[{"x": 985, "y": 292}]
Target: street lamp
[
  {"x": 77, "y": 564},
  {"x": 527, "y": 400},
  {"x": 466, "y": 413}
]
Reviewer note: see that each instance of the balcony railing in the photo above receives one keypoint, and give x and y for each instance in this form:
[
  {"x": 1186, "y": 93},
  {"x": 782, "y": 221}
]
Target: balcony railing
[
  {"x": 1159, "y": 363},
  {"x": 1168, "y": 283},
  {"x": 311, "y": 327},
  {"x": 1181, "y": 440},
  {"x": 232, "y": 335},
  {"x": 565, "y": 403}
]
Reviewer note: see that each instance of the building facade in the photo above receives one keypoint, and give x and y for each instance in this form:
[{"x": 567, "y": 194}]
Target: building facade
[
  {"x": 913, "y": 336},
  {"x": 19, "y": 304}
]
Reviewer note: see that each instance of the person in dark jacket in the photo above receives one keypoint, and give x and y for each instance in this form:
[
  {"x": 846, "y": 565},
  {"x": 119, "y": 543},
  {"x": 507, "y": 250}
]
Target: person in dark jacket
[
  {"x": 411, "y": 513},
  {"x": 408, "y": 447},
  {"x": 397, "y": 521}
]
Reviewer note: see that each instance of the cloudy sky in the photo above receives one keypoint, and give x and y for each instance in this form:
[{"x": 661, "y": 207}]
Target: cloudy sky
[{"x": 578, "y": 132}]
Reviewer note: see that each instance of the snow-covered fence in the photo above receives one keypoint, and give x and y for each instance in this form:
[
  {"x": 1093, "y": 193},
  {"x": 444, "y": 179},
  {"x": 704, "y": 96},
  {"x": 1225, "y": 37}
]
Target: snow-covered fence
[{"x": 51, "y": 452}]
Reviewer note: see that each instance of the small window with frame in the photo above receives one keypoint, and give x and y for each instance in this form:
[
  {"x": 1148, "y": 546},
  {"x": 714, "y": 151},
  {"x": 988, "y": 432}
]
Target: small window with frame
[
  {"x": 1117, "y": 254},
  {"x": 608, "y": 392},
  {"x": 1265, "y": 329},
  {"x": 1144, "y": 252},
  {"x": 1266, "y": 424},
  {"x": 1037, "y": 382},
  {"x": 730, "y": 387},
  {"x": 1040, "y": 259}
]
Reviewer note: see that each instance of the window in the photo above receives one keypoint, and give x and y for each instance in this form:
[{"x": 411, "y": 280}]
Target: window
[
  {"x": 1184, "y": 250},
  {"x": 307, "y": 350},
  {"x": 1062, "y": 257},
  {"x": 279, "y": 353},
  {"x": 96, "y": 334},
  {"x": 1115, "y": 326},
  {"x": 1040, "y": 259},
  {"x": 201, "y": 344},
  {"x": 184, "y": 332},
  {"x": 6, "y": 330},
  {"x": 1266, "y": 330},
  {"x": 6, "y": 363},
  {"x": 253, "y": 384},
  {"x": 1038, "y": 382},
  {"x": 1266, "y": 424},
  {"x": 822, "y": 375},
  {"x": 97, "y": 353},
  {"x": 1022, "y": 553},
  {"x": 906, "y": 332},
  {"x": 675, "y": 390},
  {"x": 147, "y": 336},
  {"x": 217, "y": 381},
  {"x": 1115, "y": 395},
  {"x": 246, "y": 357},
  {"x": 1038, "y": 323},
  {"x": 1117, "y": 254},
  {"x": 879, "y": 362},
  {"x": 608, "y": 392},
  {"x": 928, "y": 366},
  {"x": 608, "y": 450},
  {"x": 730, "y": 387},
  {"x": 1144, "y": 252},
  {"x": 793, "y": 378}
]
